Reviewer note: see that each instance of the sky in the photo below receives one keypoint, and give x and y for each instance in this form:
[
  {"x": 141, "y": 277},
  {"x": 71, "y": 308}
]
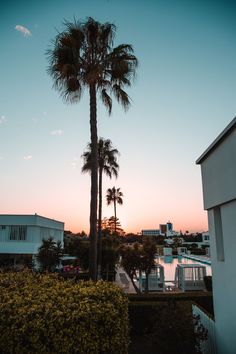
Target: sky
[{"x": 183, "y": 96}]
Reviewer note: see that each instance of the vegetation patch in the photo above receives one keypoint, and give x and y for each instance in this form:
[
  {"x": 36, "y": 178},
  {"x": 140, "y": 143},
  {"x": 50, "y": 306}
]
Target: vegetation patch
[
  {"x": 162, "y": 327},
  {"x": 46, "y": 314}
]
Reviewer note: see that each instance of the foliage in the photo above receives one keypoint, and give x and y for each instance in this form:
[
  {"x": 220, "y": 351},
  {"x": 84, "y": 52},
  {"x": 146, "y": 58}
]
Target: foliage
[
  {"x": 107, "y": 164},
  {"x": 107, "y": 158},
  {"x": 43, "y": 314},
  {"x": 49, "y": 254},
  {"x": 83, "y": 57},
  {"x": 147, "y": 259},
  {"x": 192, "y": 238},
  {"x": 138, "y": 258},
  {"x": 130, "y": 261},
  {"x": 114, "y": 195},
  {"x": 110, "y": 253},
  {"x": 163, "y": 327}
]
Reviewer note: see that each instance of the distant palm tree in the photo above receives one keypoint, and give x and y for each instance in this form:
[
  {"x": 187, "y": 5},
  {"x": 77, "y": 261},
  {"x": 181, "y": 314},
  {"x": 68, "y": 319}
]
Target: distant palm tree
[
  {"x": 107, "y": 164},
  {"x": 83, "y": 57},
  {"x": 114, "y": 196}
]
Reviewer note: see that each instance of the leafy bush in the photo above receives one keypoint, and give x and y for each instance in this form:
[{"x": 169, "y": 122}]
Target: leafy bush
[
  {"x": 45, "y": 314},
  {"x": 163, "y": 327}
]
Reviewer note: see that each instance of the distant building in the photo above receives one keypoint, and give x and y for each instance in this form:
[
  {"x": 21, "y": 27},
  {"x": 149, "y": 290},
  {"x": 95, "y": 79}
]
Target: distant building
[
  {"x": 167, "y": 230},
  {"x": 151, "y": 232},
  {"x": 164, "y": 230},
  {"x": 218, "y": 167},
  {"x": 22, "y": 235}
]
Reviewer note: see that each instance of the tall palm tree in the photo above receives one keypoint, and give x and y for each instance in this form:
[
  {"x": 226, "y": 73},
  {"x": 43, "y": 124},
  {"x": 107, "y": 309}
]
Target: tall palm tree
[
  {"x": 107, "y": 164},
  {"x": 83, "y": 57},
  {"x": 114, "y": 196}
]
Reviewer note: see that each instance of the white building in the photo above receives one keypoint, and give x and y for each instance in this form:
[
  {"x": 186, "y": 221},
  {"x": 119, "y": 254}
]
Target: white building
[
  {"x": 151, "y": 232},
  {"x": 22, "y": 235},
  {"x": 218, "y": 166}
]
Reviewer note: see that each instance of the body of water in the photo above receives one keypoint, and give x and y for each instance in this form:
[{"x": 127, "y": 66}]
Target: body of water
[{"x": 170, "y": 262}]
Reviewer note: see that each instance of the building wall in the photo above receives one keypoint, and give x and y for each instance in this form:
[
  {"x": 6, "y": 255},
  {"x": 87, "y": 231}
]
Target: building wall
[
  {"x": 223, "y": 256},
  {"x": 219, "y": 173},
  {"x": 37, "y": 229}
]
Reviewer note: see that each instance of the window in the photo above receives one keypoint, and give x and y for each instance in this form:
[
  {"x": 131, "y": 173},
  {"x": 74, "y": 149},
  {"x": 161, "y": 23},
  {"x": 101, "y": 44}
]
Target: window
[
  {"x": 2, "y": 227},
  {"x": 219, "y": 235},
  {"x": 18, "y": 233}
]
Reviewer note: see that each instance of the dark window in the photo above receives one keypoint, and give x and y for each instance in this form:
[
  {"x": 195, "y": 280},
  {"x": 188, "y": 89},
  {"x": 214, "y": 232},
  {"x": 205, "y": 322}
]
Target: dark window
[{"x": 18, "y": 233}]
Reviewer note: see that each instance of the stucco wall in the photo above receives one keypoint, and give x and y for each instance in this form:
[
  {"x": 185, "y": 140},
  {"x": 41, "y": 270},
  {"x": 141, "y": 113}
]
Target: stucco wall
[
  {"x": 219, "y": 173},
  {"x": 224, "y": 279}
]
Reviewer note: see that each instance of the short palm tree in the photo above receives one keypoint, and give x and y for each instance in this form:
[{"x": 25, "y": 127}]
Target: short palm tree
[
  {"x": 107, "y": 164},
  {"x": 114, "y": 196},
  {"x": 83, "y": 57}
]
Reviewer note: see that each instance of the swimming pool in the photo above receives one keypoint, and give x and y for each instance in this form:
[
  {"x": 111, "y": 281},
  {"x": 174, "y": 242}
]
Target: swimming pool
[{"x": 170, "y": 262}]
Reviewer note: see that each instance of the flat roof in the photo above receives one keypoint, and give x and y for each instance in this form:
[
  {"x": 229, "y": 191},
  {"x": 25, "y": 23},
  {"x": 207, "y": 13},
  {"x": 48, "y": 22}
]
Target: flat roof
[
  {"x": 36, "y": 217},
  {"x": 230, "y": 127}
]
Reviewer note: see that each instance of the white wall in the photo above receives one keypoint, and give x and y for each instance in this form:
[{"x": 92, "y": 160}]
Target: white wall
[
  {"x": 224, "y": 279},
  {"x": 219, "y": 173},
  {"x": 38, "y": 228},
  {"x": 218, "y": 167}
]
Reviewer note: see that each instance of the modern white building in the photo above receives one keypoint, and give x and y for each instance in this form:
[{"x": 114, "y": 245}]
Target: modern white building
[
  {"x": 22, "y": 235},
  {"x": 164, "y": 230},
  {"x": 151, "y": 232},
  {"x": 218, "y": 167}
]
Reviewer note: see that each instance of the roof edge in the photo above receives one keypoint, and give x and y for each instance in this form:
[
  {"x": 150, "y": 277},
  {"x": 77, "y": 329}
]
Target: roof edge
[{"x": 217, "y": 141}]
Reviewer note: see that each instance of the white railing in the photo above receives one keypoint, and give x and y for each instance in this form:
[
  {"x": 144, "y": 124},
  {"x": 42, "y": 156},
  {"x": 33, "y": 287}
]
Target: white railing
[{"x": 207, "y": 346}]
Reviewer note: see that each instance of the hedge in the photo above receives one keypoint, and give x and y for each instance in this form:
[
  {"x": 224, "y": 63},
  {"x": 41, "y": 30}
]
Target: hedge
[
  {"x": 46, "y": 314},
  {"x": 162, "y": 328}
]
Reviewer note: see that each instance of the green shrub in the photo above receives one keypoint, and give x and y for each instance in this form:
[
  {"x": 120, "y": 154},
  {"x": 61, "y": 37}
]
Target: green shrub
[
  {"x": 164, "y": 327},
  {"x": 46, "y": 314}
]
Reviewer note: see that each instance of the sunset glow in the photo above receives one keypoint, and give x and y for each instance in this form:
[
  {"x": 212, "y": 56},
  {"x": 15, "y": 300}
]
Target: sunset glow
[{"x": 183, "y": 96}]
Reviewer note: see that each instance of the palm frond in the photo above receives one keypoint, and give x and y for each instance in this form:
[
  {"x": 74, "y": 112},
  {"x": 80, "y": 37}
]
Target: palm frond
[
  {"x": 107, "y": 101},
  {"x": 121, "y": 96}
]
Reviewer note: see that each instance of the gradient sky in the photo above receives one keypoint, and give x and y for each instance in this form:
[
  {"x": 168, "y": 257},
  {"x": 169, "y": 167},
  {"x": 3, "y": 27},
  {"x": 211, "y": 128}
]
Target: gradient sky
[{"x": 182, "y": 98}]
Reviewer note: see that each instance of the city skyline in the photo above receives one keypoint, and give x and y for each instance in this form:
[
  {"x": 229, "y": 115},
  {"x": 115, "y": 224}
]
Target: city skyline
[{"x": 182, "y": 98}]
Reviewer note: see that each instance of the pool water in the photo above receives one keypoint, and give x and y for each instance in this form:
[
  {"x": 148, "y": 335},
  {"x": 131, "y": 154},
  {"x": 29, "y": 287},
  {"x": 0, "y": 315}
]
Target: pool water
[{"x": 170, "y": 262}]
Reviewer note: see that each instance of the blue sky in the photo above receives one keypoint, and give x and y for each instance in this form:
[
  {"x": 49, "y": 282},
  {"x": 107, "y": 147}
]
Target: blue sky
[{"x": 182, "y": 98}]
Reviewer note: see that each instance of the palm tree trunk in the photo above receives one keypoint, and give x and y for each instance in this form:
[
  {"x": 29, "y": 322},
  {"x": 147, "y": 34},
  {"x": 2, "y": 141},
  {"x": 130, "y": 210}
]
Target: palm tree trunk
[
  {"x": 100, "y": 223},
  {"x": 94, "y": 184},
  {"x": 115, "y": 212}
]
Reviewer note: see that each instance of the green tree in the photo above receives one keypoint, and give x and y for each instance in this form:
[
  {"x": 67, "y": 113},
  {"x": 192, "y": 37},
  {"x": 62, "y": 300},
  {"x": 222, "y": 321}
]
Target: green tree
[
  {"x": 114, "y": 196},
  {"x": 147, "y": 261},
  {"x": 107, "y": 164},
  {"x": 130, "y": 261},
  {"x": 83, "y": 57},
  {"x": 49, "y": 254}
]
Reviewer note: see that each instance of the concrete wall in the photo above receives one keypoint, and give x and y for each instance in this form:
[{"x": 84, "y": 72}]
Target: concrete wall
[
  {"x": 218, "y": 167},
  {"x": 224, "y": 278},
  {"x": 38, "y": 228},
  {"x": 219, "y": 173}
]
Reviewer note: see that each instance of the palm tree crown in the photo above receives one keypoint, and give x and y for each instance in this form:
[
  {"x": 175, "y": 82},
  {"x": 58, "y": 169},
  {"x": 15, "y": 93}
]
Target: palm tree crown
[
  {"x": 83, "y": 57},
  {"x": 107, "y": 158},
  {"x": 114, "y": 196}
]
